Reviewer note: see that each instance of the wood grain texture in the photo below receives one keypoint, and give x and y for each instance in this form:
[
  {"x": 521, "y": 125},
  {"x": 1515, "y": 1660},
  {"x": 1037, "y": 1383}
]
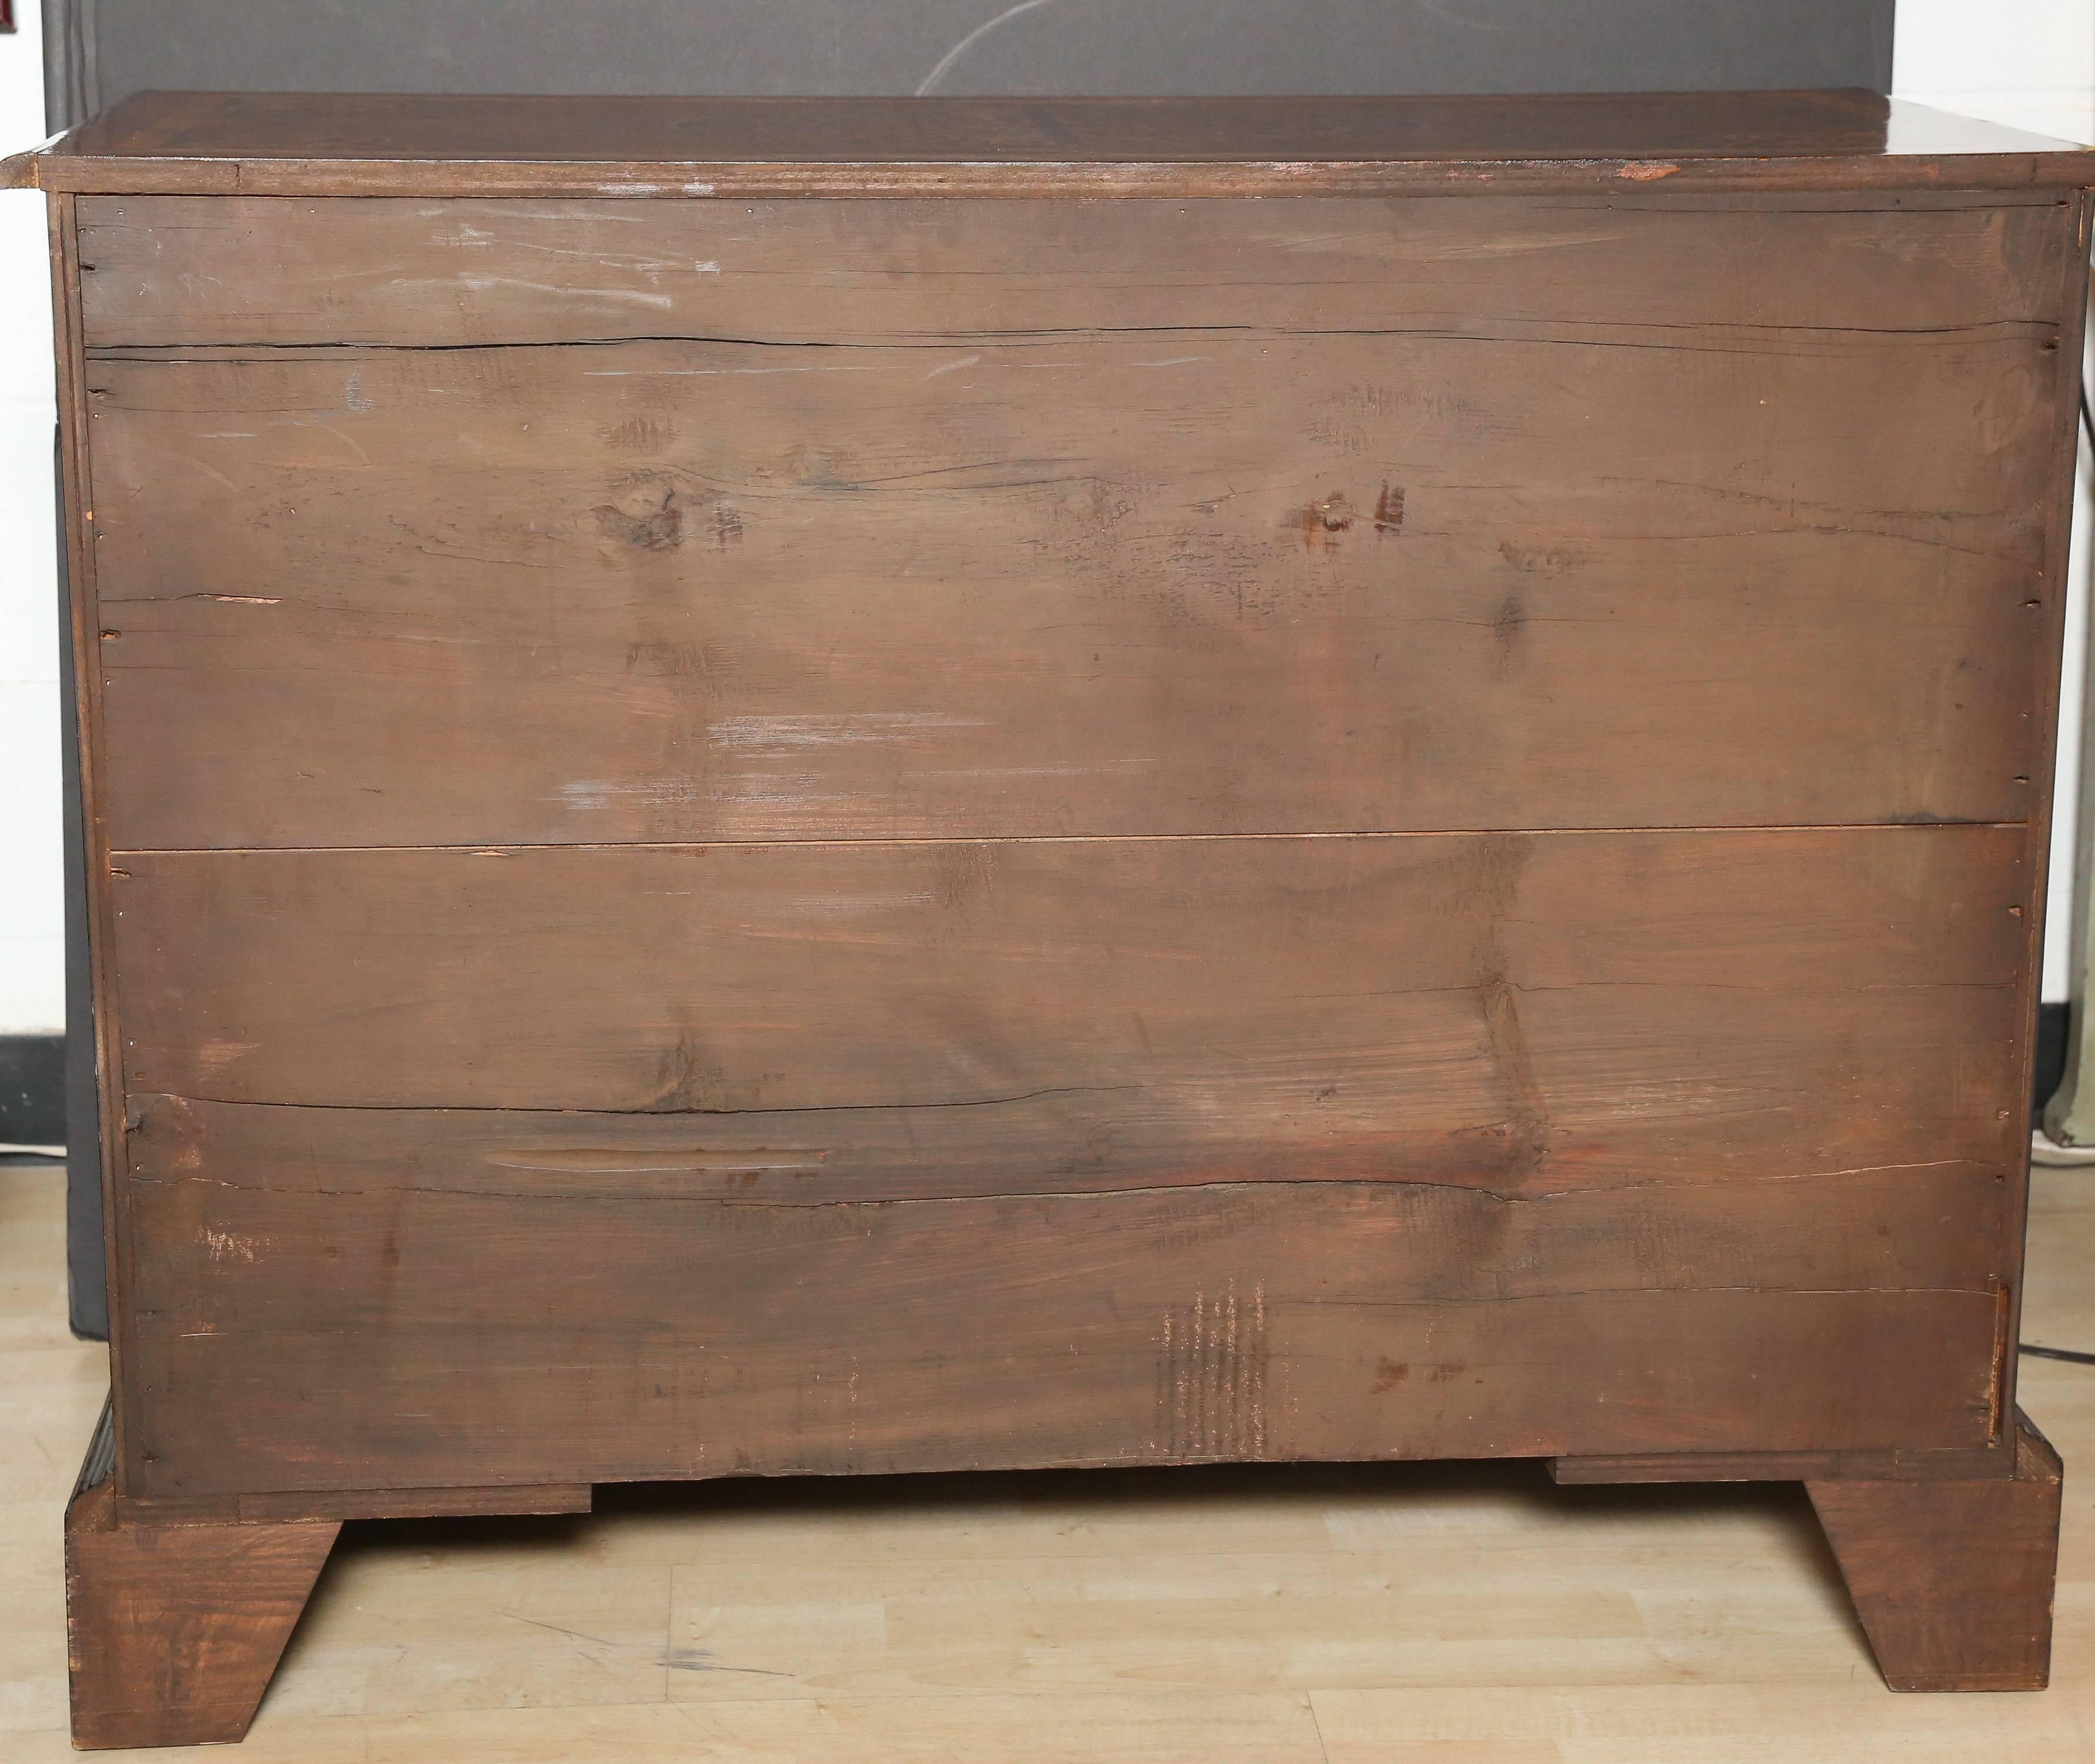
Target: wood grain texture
[
  {"x": 1560, "y": 998},
  {"x": 281, "y": 1506},
  {"x": 1933, "y": 1228},
  {"x": 1551, "y": 1110},
  {"x": 1991, "y": 1461},
  {"x": 301, "y": 144},
  {"x": 1582, "y": 1172},
  {"x": 344, "y": 1340},
  {"x": 1953, "y": 1580},
  {"x": 1617, "y": 568},
  {"x": 174, "y": 1630},
  {"x": 181, "y": 273}
]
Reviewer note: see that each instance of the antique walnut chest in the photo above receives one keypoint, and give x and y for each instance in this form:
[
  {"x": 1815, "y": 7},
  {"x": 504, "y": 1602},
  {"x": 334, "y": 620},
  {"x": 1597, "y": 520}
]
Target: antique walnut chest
[{"x": 844, "y": 786}]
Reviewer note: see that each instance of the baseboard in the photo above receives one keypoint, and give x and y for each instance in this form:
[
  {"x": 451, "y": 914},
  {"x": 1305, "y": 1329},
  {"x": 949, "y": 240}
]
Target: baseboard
[{"x": 32, "y": 1090}]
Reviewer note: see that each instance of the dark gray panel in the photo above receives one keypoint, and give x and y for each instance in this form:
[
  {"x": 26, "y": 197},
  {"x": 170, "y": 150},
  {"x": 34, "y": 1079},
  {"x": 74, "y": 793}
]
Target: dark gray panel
[
  {"x": 1041, "y": 46},
  {"x": 31, "y": 1090}
]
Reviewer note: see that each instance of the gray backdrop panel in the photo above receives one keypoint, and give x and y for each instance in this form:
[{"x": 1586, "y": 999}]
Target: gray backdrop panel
[{"x": 104, "y": 48}]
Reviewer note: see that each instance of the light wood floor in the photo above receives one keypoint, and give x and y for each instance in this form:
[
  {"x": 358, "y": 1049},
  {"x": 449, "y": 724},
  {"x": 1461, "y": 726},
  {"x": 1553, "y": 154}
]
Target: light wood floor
[{"x": 1438, "y": 1614}]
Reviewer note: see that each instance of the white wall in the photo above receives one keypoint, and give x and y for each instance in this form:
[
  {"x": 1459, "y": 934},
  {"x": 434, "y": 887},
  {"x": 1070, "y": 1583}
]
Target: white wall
[
  {"x": 2030, "y": 64},
  {"x": 32, "y": 913}
]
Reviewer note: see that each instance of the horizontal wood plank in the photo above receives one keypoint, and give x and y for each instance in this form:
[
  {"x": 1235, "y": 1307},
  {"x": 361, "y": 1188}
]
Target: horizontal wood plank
[
  {"x": 182, "y": 272},
  {"x": 1087, "y": 1141},
  {"x": 331, "y": 1340},
  {"x": 1508, "y": 1008},
  {"x": 279, "y": 1507},
  {"x": 247, "y": 1208},
  {"x": 1979, "y": 1463},
  {"x": 1213, "y": 584}
]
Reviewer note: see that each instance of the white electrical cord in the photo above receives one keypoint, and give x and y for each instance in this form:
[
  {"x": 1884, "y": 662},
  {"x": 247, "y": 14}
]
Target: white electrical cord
[{"x": 2051, "y": 1156}]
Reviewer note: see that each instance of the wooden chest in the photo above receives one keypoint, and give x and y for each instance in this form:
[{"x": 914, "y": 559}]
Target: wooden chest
[{"x": 833, "y": 786}]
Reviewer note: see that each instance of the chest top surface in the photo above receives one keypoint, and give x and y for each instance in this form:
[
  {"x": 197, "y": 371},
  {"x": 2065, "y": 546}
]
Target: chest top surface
[{"x": 366, "y": 144}]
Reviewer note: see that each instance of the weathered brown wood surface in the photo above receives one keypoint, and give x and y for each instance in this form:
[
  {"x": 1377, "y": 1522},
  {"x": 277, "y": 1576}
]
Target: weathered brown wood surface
[
  {"x": 738, "y": 836},
  {"x": 279, "y": 1505},
  {"x": 1465, "y": 568},
  {"x": 1897, "y": 1463},
  {"x": 1264, "y": 1124},
  {"x": 182, "y": 272},
  {"x": 1952, "y": 1580},
  {"x": 505, "y": 1338},
  {"x": 172, "y": 1630},
  {"x": 1558, "y": 995},
  {"x": 1583, "y": 1114}
]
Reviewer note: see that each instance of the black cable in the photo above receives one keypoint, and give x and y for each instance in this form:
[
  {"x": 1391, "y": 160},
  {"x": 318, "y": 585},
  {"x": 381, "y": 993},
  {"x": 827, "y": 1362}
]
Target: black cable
[
  {"x": 2088, "y": 415},
  {"x": 2072, "y": 1354}
]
